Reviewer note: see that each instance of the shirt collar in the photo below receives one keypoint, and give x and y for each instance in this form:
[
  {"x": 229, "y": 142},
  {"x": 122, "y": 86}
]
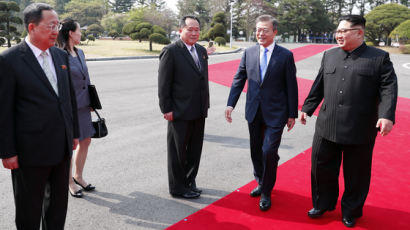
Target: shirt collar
[
  {"x": 34, "y": 48},
  {"x": 270, "y": 47},
  {"x": 188, "y": 46},
  {"x": 356, "y": 52}
]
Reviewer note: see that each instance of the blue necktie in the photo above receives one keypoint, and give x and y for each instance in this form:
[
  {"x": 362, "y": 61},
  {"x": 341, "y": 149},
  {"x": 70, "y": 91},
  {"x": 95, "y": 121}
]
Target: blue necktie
[{"x": 264, "y": 63}]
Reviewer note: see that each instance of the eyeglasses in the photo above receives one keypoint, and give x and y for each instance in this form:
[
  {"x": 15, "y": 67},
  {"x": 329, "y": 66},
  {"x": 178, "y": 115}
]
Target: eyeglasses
[
  {"x": 264, "y": 30},
  {"x": 344, "y": 31},
  {"x": 55, "y": 27}
]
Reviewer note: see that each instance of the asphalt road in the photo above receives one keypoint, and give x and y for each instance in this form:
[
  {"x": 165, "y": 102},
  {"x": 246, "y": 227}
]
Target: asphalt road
[{"x": 128, "y": 167}]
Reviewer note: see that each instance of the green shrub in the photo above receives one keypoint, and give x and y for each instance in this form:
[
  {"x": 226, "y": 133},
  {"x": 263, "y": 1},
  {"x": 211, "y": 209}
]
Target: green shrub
[
  {"x": 159, "y": 30},
  {"x": 159, "y": 38},
  {"x": 405, "y": 49},
  {"x": 129, "y": 28},
  {"x": 220, "y": 41},
  {"x": 369, "y": 43}
]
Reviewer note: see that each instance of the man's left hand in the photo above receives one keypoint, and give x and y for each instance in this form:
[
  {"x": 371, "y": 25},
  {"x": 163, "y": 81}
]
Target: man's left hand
[
  {"x": 385, "y": 126},
  {"x": 75, "y": 143},
  {"x": 291, "y": 123}
]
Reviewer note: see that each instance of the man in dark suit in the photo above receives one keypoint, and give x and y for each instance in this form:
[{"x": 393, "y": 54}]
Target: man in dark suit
[
  {"x": 271, "y": 102},
  {"x": 183, "y": 92},
  {"x": 358, "y": 86},
  {"x": 38, "y": 121}
]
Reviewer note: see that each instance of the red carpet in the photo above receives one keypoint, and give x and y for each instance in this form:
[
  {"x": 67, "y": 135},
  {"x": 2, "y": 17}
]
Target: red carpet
[{"x": 387, "y": 206}]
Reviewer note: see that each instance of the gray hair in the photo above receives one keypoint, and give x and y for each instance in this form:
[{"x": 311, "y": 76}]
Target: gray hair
[
  {"x": 33, "y": 13},
  {"x": 265, "y": 18}
]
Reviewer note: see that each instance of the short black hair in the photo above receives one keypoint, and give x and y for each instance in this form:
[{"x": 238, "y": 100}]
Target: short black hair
[
  {"x": 266, "y": 18},
  {"x": 182, "y": 23},
  {"x": 354, "y": 19},
  {"x": 33, "y": 13},
  {"x": 68, "y": 25}
]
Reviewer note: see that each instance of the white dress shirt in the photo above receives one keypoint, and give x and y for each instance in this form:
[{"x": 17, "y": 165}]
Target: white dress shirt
[
  {"x": 37, "y": 53},
  {"x": 268, "y": 54}
]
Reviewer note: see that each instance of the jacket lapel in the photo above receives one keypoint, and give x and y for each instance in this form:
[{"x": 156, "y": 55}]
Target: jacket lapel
[
  {"x": 58, "y": 67},
  {"x": 188, "y": 55},
  {"x": 32, "y": 62},
  {"x": 256, "y": 56}
]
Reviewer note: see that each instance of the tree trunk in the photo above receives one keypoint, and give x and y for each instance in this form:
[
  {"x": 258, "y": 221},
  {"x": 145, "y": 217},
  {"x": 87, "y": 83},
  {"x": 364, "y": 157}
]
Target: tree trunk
[{"x": 150, "y": 45}]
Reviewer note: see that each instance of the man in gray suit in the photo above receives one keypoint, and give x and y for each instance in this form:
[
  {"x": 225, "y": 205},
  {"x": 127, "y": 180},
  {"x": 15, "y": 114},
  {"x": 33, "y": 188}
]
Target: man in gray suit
[
  {"x": 38, "y": 121},
  {"x": 358, "y": 86}
]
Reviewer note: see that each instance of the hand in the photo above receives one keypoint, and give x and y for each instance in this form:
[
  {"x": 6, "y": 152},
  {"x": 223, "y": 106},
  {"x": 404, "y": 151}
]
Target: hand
[
  {"x": 75, "y": 143},
  {"x": 228, "y": 114},
  {"x": 169, "y": 116},
  {"x": 11, "y": 163},
  {"x": 385, "y": 126},
  {"x": 302, "y": 118},
  {"x": 210, "y": 50},
  {"x": 291, "y": 123}
]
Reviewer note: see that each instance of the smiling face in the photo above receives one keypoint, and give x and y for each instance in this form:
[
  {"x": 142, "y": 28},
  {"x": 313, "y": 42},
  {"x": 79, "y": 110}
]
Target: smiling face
[
  {"x": 190, "y": 32},
  {"x": 44, "y": 34},
  {"x": 265, "y": 33},
  {"x": 349, "y": 38}
]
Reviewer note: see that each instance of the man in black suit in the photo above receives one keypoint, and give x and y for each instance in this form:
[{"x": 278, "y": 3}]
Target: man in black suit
[
  {"x": 358, "y": 86},
  {"x": 271, "y": 102},
  {"x": 38, "y": 121},
  {"x": 183, "y": 92}
]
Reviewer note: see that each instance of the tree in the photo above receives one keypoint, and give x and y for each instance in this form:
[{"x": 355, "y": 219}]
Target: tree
[
  {"x": 402, "y": 32},
  {"x": 86, "y": 12},
  {"x": 95, "y": 29},
  {"x": 114, "y": 22},
  {"x": 198, "y": 8},
  {"x": 59, "y": 6},
  {"x": 218, "y": 26},
  {"x": 157, "y": 38},
  {"x": 383, "y": 19},
  {"x": 121, "y": 6},
  {"x": 8, "y": 22}
]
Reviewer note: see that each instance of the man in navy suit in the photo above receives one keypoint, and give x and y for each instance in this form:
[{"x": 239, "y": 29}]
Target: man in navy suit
[
  {"x": 271, "y": 102},
  {"x": 38, "y": 121}
]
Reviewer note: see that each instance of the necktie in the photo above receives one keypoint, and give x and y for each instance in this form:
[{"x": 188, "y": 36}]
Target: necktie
[
  {"x": 264, "y": 63},
  {"x": 47, "y": 71},
  {"x": 194, "y": 55}
]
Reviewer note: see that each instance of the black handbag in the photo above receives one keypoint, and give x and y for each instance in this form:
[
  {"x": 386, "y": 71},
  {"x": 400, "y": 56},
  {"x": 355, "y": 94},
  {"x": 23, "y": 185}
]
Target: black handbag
[
  {"x": 99, "y": 127},
  {"x": 94, "y": 99}
]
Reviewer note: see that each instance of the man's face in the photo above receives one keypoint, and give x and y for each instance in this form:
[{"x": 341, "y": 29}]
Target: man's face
[
  {"x": 265, "y": 33},
  {"x": 190, "y": 33},
  {"x": 349, "y": 38},
  {"x": 44, "y": 34}
]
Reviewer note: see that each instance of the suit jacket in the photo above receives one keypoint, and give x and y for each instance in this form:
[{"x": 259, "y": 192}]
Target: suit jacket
[
  {"x": 182, "y": 87},
  {"x": 81, "y": 80},
  {"x": 356, "y": 89},
  {"x": 276, "y": 95},
  {"x": 36, "y": 125}
]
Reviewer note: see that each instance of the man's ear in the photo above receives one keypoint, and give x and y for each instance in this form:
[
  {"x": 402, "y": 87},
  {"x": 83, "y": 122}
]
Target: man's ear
[{"x": 30, "y": 27}]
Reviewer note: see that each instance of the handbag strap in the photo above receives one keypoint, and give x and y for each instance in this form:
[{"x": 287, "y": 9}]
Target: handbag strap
[{"x": 98, "y": 115}]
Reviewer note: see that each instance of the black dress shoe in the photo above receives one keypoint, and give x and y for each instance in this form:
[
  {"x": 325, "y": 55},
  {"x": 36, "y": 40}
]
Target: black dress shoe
[
  {"x": 194, "y": 188},
  {"x": 349, "y": 221},
  {"x": 315, "y": 213},
  {"x": 256, "y": 191},
  {"x": 87, "y": 188},
  {"x": 186, "y": 195},
  {"x": 76, "y": 194},
  {"x": 265, "y": 202}
]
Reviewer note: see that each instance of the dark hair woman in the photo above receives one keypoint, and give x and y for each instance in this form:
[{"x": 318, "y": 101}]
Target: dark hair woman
[{"x": 68, "y": 37}]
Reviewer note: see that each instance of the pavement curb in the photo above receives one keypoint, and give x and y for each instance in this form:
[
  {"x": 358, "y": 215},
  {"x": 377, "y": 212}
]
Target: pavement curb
[{"x": 149, "y": 57}]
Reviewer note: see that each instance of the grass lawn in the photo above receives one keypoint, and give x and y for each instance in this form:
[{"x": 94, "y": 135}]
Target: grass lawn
[{"x": 118, "y": 48}]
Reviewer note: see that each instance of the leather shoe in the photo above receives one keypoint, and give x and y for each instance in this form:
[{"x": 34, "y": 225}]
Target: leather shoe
[
  {"x": 187, "y": 195},
  {"x": 194, "y": 188},
  {"x": 349, "y": 221},
  {"x": 256, "y": 191},
  {"x": 315, "y": 213},
  {"x": 265, "y": 202}
]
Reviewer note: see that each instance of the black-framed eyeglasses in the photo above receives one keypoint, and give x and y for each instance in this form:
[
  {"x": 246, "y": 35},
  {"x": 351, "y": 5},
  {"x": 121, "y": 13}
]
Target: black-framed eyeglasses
[{"x": 344, "y": 31}]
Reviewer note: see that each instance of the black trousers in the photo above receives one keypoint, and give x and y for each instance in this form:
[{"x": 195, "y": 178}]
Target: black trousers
[
  {"x": 41, "y": 193},
  {"x": 357, "y": 163},
  {"x": 185, "y": 139},
  {"x": 264, "y": 143}
]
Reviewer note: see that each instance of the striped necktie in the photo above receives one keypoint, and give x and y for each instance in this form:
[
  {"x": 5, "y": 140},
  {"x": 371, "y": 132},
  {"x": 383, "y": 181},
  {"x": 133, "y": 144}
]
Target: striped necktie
[
  {"x": 46, "y": 67},
  {"x": 194, "y": 55}
]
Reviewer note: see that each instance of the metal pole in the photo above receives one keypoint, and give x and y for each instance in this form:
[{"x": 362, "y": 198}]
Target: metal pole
[{"x": 230, "y": 40}]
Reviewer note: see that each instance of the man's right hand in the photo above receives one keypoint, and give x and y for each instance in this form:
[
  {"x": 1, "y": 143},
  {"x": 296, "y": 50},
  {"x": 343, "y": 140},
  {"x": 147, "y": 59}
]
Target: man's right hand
[
  {"x": 11, "y": 163},
  {"x": 303, "y": 117},
  {"x": 168, "y": 116},
  {"x": 228, "y": 114}
]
